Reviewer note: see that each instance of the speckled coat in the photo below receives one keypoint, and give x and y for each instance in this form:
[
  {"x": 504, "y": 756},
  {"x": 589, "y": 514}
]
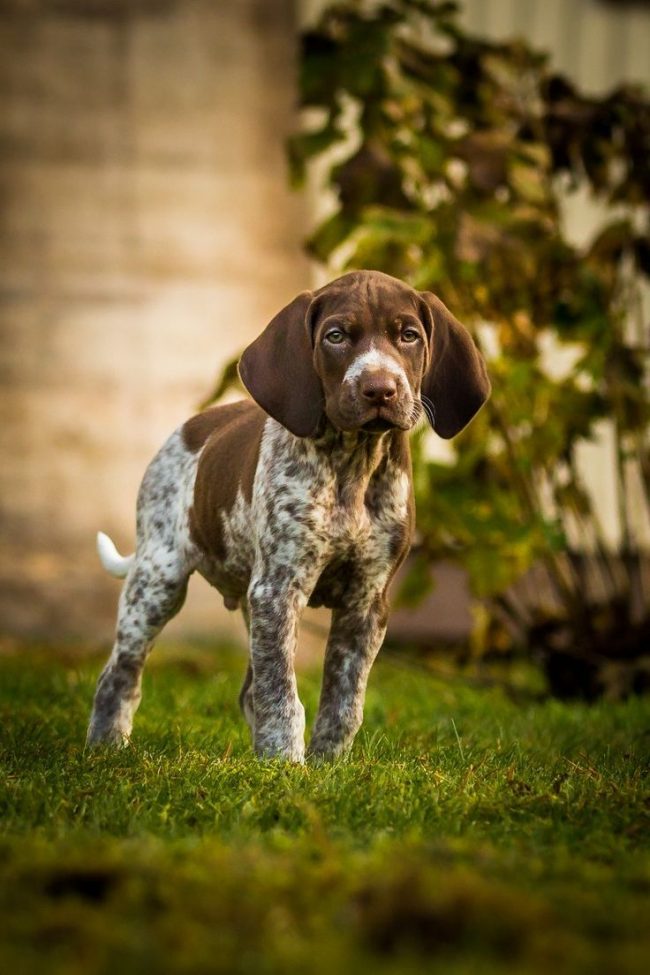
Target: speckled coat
[{"x": 301, "y": 497}]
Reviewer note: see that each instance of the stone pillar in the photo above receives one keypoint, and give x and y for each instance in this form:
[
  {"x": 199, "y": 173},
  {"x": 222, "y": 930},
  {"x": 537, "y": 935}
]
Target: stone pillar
[{"x": 147, "y": 233}]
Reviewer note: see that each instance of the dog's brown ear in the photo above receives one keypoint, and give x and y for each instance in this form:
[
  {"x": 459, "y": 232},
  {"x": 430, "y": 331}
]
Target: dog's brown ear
[
  {"x": 278, "y": 370},
  {"x": 456, "y": 381}
]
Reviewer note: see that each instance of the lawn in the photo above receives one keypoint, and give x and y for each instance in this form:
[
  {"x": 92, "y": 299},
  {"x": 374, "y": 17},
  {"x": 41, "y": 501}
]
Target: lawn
[{"x": 468, "y": 831}]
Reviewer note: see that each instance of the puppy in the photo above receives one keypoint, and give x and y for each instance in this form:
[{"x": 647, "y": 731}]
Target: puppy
[{"x": 301, "y": 497}]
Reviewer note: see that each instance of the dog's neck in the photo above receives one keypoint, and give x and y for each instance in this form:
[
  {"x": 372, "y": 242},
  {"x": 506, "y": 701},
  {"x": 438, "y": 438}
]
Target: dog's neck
[{"x": 356, "y": 457}]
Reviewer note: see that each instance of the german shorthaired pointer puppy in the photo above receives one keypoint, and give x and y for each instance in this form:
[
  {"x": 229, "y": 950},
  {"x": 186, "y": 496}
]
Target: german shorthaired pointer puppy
[{"x": 302, "y": 497}]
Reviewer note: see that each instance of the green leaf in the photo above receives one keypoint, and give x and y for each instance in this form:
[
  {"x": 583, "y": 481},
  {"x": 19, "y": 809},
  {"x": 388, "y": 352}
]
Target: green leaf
[
  {"x": 229, "y": 379},
  {"x": 330, "y": 235},
  {"x": 529, "y": 182},
  {"x": 301, "y": 148}
]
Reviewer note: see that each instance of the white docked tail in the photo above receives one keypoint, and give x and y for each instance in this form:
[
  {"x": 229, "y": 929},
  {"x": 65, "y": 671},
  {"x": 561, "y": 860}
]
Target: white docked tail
[{"x": 118, "y": 565}]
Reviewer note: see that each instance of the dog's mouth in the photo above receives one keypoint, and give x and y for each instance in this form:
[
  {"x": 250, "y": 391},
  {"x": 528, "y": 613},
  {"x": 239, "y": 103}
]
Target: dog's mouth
[
  {"x": 379, "y": 424},
  {"x": 377, "y": 419},
  {"x": 384, "y": 419}
]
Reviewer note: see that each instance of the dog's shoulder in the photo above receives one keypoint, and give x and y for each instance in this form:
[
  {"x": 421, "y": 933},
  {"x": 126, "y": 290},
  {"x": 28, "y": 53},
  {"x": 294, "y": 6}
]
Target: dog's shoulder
[{"x": 243, "y": 420}]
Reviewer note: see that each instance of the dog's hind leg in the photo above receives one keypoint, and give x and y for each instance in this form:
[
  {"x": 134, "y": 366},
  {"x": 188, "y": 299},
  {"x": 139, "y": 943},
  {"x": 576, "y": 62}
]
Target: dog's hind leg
[
  {"x": 153, "y": 593},
  {"x": 155, "y": 586},
  {"x": 246, "y": 702}
]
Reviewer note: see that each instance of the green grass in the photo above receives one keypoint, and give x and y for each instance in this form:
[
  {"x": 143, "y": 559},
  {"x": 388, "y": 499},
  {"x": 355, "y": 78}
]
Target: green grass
[{"x": 465, "y": 833}]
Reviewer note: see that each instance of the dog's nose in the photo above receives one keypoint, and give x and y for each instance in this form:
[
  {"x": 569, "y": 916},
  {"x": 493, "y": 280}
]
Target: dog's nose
[{"x": 379, "y": 389}]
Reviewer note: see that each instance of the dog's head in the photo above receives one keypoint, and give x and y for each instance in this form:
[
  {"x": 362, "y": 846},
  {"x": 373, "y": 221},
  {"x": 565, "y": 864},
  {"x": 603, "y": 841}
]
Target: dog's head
[{"x": 368, "y": 352}]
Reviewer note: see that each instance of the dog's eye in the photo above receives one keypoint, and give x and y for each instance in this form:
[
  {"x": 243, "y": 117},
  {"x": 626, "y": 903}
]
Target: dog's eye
[
  {"x": 410, "y": 335},
  {"x": 336, "y": 336}
]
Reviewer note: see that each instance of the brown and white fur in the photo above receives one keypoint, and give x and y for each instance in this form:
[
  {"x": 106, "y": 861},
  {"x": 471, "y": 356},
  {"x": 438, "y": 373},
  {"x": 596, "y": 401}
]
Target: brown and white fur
[{"x": 302, "y": 497}]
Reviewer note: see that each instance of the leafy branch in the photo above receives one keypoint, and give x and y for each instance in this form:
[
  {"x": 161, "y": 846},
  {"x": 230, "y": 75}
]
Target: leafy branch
[{"x": 455, "y": 167}]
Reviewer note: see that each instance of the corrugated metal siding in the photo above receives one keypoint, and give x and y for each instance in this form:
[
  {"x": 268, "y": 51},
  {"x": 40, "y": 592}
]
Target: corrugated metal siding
[{"x": 597, "y": 44}]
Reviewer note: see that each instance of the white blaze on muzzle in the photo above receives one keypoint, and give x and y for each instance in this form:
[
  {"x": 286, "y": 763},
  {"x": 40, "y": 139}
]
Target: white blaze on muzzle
[{"x": 374, "y": 361}]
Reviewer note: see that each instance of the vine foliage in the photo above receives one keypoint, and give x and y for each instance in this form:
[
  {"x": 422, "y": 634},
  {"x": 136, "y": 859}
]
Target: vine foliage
[{"x": 451, "y": 159}]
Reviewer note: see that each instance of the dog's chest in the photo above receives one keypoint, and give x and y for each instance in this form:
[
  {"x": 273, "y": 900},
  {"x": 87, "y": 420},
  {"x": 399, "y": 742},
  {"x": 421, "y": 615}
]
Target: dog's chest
[
  {"x": 312, "y": 513},
  {"x": 326, "y": 499}
]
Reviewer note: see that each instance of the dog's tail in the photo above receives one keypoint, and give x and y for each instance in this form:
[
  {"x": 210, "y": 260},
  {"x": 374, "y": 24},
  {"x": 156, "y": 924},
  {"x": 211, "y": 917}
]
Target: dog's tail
[{"x": 118, "y": 565}]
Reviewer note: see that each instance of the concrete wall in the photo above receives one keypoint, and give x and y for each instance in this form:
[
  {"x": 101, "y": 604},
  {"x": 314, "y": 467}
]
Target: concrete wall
[{"x": 147, "y": 233}]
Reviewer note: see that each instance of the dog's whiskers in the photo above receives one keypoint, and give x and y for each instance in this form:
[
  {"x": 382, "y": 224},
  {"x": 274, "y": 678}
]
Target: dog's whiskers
[
  {"x": 416, "y": 413},
  {"x": 429, "y": 409}
]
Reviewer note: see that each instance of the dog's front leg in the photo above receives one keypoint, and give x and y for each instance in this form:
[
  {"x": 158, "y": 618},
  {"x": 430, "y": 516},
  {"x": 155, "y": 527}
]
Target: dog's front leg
[
  {"x": 279, "y": 717},
  {"x": 354, "y": 641}
]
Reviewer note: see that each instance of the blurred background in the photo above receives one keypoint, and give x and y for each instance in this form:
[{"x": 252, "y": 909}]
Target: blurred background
[{"x": 148, "y": 232}]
